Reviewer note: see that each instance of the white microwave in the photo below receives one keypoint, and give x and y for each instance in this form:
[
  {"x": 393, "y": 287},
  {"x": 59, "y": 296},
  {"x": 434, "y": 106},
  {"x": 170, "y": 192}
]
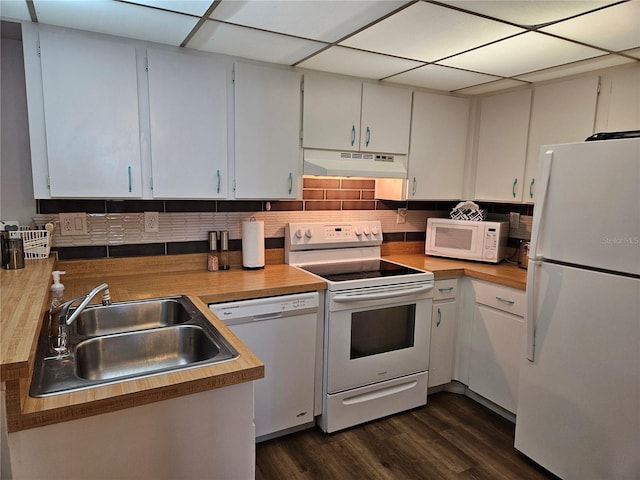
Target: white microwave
[{"x": 467, "y": 239}]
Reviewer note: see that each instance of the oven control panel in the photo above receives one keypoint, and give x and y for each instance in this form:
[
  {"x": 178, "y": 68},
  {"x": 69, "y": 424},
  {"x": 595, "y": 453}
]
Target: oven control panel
[{"x": 333, "y": 234}]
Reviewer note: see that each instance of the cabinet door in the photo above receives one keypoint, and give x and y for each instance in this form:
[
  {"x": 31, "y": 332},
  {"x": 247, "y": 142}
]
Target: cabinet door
[
  {"x": 386, "y": 119},
  {"x": 90, "y": 96},
  {"x": 562, "y": 112},
  {"x": 188, "y": 118},
  {"x": 494, "y": 363},
  {"x": 502, "y": 146},
  {"x": 331, "y": 115},
  {"x": 267, "y": 132},
  {"x": 443, "y": 336},
  {"x": 438, "y": 147}
]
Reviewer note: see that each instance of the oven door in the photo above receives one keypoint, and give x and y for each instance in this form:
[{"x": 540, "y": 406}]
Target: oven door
[{"x": 376, "y": 334}]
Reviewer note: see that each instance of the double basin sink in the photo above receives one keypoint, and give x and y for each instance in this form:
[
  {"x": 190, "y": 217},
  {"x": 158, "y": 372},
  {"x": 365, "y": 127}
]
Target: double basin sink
[{"x": 127, "y": 340}]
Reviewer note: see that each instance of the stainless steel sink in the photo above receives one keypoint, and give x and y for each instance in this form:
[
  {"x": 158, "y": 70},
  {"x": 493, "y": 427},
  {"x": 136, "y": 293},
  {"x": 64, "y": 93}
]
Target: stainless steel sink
[
  {"x": 128, "y": 340},
  {"x": 138, "y": 353},
  {"x": 130, "y": 316}
]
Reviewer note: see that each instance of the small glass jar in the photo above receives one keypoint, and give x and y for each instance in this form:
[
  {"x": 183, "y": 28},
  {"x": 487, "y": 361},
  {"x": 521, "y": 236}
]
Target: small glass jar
[{"x": 213, "y": 261}]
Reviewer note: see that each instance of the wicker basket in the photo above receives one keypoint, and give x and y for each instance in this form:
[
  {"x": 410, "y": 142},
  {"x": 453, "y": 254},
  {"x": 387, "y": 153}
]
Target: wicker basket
[{"x": 37, "y": 243}]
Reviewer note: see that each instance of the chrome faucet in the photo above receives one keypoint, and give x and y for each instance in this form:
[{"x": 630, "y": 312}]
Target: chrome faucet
[{"x": 59, "y": 318}]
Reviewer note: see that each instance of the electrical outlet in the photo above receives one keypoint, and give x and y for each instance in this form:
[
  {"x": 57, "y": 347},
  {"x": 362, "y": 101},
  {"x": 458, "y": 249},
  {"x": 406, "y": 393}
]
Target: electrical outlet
[
  {"x": 151, "y": 222},
  {"x": 73, "y": 224},
  {"x": 401, "y": 216}
]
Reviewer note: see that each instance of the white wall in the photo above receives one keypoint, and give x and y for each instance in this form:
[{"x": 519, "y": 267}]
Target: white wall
[{"x": 16, "y": 187}]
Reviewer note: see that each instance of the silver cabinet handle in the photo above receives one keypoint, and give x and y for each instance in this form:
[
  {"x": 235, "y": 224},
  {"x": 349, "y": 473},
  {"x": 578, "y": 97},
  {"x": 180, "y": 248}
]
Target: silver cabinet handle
[
  {"x": 290, "y": 183},
  {"x": 505, "y": 300},
  {"x": 446, "y": 289},
  {"x": 439, "y": 318},
  {"x": 513, "y": 188},
  {"x": 353, "y": 135},
  {"x": 368, "y": 137},
  {"x": 218, "y": 175},
  {"x": 129, "y": 170},
  {"x": 413, "y": 189}
]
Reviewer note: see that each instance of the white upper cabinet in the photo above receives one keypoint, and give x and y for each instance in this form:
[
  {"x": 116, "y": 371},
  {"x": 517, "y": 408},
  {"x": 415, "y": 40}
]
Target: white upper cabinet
[
  {"x": 188, "y": 120},
  {"x": 502, "y": 146},
  {"x": 267, "y": 132},
  {"x": 438, "y": 147},
  {"x": 331, "y": 116},
  {"x": 90, "y": 96},
  {"x": 342, "y": 114},
  {"x": 386, "y": 119},
  {"x": 562, "y": 112}
]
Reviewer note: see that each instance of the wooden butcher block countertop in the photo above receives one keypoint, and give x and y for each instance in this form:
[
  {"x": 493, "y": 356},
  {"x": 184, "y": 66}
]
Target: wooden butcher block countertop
[
  {"x": 503, "y": 273},
  {"x": 25, "y": 296}
]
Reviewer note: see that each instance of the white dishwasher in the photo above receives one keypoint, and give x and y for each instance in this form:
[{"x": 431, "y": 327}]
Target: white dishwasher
[{"x": 282, "y": 332}]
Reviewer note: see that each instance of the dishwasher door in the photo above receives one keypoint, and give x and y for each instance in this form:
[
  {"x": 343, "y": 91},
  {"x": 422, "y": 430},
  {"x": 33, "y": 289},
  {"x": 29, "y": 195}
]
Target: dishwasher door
[{"x": 282, "y": 332}]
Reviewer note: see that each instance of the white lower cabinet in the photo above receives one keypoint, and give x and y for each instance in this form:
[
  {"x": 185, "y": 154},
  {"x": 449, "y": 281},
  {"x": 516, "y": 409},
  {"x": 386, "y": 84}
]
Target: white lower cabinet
[
  {"x": 496, "y": 343},
  {"x": 443, "y": 332}
]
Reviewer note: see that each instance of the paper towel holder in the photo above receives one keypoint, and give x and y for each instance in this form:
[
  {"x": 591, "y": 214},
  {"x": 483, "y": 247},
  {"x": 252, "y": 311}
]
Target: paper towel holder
[{"x": 253, "y": 246}]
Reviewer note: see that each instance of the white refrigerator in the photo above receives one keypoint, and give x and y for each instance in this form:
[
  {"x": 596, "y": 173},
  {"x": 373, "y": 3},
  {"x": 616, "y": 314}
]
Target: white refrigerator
[{"x": 578, "y": 409}]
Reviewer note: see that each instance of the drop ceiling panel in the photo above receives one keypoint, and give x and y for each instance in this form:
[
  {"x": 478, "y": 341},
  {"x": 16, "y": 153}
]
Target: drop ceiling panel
[
  {"x": 327, "y": 21},
  {"x": 358, "y": 63},
  {"x": 117, "y": 18},
  {"x": 616, "y": 28},
  {"x": 441, "y": 78},
  {"x": 589, "y": 65},
  {"x": 192, "y": 7},
  {"x": 15, "y": 10},
  {"x": 250, "y": 43},
  {"x": 522, "y": 54},
  {"x": 429, "y": 32},
  {"x": 530, "y": 12}
]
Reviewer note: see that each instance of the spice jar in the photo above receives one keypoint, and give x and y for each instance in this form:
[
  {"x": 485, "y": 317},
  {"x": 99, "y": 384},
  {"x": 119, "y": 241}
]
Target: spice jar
[
  {"x": 224, "y": 250},
  {"x": 213, "y": 261}
]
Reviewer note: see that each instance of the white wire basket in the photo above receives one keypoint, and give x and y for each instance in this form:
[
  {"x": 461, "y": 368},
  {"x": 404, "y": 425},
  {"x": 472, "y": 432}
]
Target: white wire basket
[{"x": 37, "y": 243}]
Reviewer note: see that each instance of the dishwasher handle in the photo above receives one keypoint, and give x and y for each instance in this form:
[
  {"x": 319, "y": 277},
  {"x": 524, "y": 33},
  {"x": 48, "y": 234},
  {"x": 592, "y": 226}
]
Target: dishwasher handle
[{"x": 379, "y": 295}]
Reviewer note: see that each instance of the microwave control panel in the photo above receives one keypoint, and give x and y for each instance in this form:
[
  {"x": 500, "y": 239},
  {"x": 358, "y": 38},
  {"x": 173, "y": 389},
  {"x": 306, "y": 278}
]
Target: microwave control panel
[{"x": 490, "y": 243}]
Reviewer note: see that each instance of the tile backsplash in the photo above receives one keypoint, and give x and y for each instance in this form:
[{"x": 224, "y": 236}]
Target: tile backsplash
[{"x": 116, "y": 228}]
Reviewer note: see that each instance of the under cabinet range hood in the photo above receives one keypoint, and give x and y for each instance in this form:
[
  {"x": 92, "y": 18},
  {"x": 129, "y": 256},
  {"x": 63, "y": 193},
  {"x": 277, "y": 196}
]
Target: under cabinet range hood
[{"x": 354, "y": 164}]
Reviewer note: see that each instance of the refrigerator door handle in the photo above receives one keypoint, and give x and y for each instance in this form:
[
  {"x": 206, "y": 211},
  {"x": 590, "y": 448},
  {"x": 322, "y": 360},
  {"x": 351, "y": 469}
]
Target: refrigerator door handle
[
  {"x": 543, "y": 184},
  {"x": 531, "y": 312}
]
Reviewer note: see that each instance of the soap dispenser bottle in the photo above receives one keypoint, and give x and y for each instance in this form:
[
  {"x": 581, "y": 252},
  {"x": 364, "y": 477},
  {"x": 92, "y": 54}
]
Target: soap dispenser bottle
[
  {"x": 57, "y": 332},
  {"x": 57, "y": 289}
]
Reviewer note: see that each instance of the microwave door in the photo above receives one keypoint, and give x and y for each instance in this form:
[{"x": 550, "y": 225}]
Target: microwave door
[{"x": 457, "y": 241}]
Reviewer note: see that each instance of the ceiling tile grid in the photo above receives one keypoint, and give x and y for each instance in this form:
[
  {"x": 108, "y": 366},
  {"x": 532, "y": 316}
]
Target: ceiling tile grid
[{"x": 468, "y": 46}]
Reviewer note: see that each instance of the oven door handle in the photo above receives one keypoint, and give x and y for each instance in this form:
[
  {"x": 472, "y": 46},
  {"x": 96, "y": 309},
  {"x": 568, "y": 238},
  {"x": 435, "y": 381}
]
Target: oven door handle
[{"x": 358, "y": 297}]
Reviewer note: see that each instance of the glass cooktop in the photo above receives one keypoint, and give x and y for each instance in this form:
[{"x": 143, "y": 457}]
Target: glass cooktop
[{"x": 358, "y": 270}]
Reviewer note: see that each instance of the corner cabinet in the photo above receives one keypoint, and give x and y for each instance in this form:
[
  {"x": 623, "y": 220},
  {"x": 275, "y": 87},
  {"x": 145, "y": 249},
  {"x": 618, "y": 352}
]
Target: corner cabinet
[
  {"x": 438, "y": 147},
  {"x": 91, "y": 127},
  {"x": 496, "y": 343},
  {"x": 561, "y": 112},
  {"x": 188, "y": 122},
  {"x": 267, "y": 132},
  {"x": 343, "y": 114},
  {"x": 502, "y": 146}
]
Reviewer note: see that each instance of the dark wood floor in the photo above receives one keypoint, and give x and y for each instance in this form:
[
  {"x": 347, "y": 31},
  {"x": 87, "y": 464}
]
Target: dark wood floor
[{"x": 451, "y": 437}]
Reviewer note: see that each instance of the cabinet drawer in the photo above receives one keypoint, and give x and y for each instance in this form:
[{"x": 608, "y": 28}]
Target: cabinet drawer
[
  {"x": 444, "y": 289},
  {"x": 502, "y": 298}
]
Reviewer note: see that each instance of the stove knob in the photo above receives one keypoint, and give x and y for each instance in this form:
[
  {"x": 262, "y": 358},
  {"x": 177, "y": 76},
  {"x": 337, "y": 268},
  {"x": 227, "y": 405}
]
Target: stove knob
[
  {"x": 358, "y": 231},
  {"x": 374, "y": 231},
  {"x": 308, "y": 233},
  {"x": 367, "y": 231},
  {"x": 298, "y": 233}
]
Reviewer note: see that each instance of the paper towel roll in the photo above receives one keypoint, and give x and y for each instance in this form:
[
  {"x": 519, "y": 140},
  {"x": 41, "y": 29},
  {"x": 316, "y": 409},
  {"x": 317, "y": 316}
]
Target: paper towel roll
[{"x": 253, "y": 244}]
